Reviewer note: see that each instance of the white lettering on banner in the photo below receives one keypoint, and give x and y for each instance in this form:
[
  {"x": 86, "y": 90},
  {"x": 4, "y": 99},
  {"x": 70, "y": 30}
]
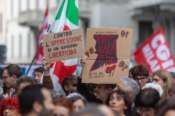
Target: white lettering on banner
[
  {"x": 171, "y": 69},
  {"x": 167, "y": 64},
  {"x": 159, "y": 39},
  {"x": 162, "y": 54},
  {"x": 150, "y": 58}
]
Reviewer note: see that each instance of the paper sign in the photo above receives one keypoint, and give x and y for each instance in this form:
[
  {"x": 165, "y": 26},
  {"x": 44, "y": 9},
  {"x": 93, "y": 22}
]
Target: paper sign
[
  {"x": 64, "y": 45},
  {"x": 107, "y": 51}
]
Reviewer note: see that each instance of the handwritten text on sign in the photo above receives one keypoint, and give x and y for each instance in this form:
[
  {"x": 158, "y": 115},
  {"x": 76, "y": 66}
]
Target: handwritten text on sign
[{"x": 65, "y": 45}]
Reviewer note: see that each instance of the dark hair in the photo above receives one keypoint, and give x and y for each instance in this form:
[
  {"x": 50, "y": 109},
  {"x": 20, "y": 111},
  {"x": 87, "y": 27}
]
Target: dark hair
[
  {"x": 13, "y": 69},
  {"x": 28, "y": 96},
  {"x": 39, "y": 69},
  {"x": 123, "y": 94},
  {"x": 148, "y": 98},
  {"x": 138, "y": 70},
  {"x": 67, "y": 79},
  {"x": 25, "y": 79},
  {"x": 166, "y": 105}
]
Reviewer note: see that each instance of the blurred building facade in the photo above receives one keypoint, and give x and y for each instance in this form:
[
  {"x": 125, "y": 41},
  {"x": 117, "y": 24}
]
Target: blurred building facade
[{"x": 20, "y": 19}]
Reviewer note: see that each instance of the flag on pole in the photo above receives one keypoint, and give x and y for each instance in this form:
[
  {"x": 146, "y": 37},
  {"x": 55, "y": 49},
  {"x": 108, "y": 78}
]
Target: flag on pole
[
  {"x": 67, "y": 18},
  {"x": 155, "y": 53},
  {"x": 43, "y": 30}
]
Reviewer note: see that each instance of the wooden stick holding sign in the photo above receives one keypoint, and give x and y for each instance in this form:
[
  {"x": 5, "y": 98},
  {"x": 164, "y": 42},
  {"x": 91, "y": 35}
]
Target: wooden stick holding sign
[
  {"x": 108, "y": 52},
  {"x": 63, "y": 45}
]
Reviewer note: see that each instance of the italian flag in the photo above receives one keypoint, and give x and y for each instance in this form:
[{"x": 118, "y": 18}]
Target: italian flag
[{"x": 67, "y": 18}]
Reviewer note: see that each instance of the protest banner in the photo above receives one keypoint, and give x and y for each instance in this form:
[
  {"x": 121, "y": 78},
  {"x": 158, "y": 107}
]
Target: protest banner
[
  {"x": 155, "y": 53},
  {"x": 107, "y": 51},
  {"x": 63, "y": 45}
]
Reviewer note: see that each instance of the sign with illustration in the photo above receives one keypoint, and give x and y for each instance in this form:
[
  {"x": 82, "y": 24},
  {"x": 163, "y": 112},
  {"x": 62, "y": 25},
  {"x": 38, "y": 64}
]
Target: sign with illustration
[{"x": 107, "y": 55}]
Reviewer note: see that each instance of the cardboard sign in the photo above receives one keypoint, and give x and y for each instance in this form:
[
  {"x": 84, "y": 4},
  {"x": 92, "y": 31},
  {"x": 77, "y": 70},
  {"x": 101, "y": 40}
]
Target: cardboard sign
[
  {"x": 64, "y": 45},
  {"x": 155, "y": 53},
  {"x": 107, "y": 51}
]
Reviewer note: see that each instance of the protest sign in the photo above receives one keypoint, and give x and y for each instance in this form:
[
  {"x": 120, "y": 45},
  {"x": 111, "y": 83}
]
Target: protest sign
[
  {"x": 107, "y": 51},
  {"x": 63, "y": 45},
  {"x": 155, "y": 53}
]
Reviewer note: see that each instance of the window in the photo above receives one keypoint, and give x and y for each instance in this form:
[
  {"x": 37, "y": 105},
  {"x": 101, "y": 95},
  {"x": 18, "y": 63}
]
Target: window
[
  {"x": 145, "y": 30},
  {"x": 29, "y": 44},
  {"x": 11, "y": 8},
  {"x": 3, "y": 51},
  {"x": 20, "y": 44},
  {"x": 1, "y": 26},
  {"x": 12, "y": 46}
]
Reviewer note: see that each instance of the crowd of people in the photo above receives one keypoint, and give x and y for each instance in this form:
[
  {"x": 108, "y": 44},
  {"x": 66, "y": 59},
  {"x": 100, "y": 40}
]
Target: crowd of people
[{"x": 139, "y": 94}]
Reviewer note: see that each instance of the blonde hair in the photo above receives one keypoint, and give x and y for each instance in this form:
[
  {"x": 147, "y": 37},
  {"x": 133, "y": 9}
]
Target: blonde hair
[{"x": 167, "y": 79}]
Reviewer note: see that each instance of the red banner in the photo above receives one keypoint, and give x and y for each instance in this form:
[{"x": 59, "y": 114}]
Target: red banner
[{"x": 155, "y": 53}]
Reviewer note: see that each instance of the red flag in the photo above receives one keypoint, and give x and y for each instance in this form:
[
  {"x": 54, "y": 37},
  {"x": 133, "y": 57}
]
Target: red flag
[
  {"x": 63, "y": 71},
  {"x": 155, "y": 53}
]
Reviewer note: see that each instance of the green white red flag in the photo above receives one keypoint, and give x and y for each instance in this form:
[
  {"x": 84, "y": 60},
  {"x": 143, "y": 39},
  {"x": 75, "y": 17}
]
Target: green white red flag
[{"x": 67, "y": 18}]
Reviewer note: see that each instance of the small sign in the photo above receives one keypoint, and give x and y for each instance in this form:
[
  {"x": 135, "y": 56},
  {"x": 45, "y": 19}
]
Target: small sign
[{"x": 64, "y": 45}]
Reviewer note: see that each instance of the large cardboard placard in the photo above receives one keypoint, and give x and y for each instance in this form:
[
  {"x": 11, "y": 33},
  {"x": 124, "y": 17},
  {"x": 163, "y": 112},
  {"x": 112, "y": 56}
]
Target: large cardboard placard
[
  {"x": 64, "y": 45},
  {"x": 108, "y": 52}
]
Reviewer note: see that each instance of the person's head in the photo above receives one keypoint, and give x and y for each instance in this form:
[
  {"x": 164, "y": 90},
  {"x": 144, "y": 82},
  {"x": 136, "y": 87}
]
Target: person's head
[
  {"x": 172, "y": 91},
  {"x": 164, "y": 79},
  {"x": 118, "y": 101},
  {"x": 106, "y": 110},
  {"x": 101, "y": 91},
  {"x": 91, "y": 110},
  {"x": 33, "y": 99},
  {"x": 140, "y": 74},
  {"x": 23, "y": 82},
  {"x": 38, "y": 73},
  {"x": 128, "y": 85},
  {"x": 63, "y": 106},
  {"x": 10, "y": 75},
  {"x": 70, "y": 84},
  {"x": 9, "y": 107},
  {"x": 146, "y": 101},
  {"x": 79, "y": 102},
  {"x": 167, "y": 108}
]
